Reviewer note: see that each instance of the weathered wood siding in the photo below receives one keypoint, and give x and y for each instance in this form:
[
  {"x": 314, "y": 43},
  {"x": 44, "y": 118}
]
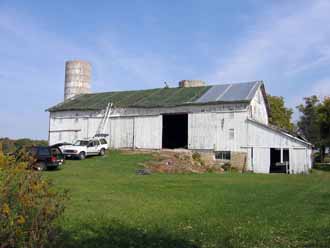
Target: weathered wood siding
[
  {"x": 148, "y": 132},
  {"x": 218, "y": 127},
  {"x": 260, "y": 136},
  {"x": 258, "y": 109},
  {"x": 212, "y": 131},
  {"x": 121, "y": 132},
  {"x": 262, "y": 139},
  {"x": 299, "y": 160},
  {"x": 261, "y": 160}
]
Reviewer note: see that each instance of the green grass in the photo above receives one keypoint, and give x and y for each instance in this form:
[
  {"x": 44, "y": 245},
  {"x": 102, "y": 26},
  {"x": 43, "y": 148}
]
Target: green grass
[{"x": 111, "y": 206}]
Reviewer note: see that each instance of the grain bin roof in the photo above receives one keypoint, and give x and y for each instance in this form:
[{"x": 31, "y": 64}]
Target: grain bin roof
[{"x": 162, "y": 97}]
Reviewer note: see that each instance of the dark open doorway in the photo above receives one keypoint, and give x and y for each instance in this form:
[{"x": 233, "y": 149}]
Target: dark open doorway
[
  {"x": 175, "y": 131},
  {"x": 276, "y": 165}
]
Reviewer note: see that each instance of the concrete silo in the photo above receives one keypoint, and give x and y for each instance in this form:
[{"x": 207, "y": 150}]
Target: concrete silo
[{"x": 77, "y": 78}]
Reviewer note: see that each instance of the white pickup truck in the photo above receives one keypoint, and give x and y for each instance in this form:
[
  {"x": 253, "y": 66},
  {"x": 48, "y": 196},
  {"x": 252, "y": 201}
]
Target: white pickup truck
[{"x": 85, "y": 147}]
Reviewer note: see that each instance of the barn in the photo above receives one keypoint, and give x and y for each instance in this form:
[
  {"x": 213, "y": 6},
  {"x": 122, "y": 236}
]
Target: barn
[{"x": 228, "y": 121}]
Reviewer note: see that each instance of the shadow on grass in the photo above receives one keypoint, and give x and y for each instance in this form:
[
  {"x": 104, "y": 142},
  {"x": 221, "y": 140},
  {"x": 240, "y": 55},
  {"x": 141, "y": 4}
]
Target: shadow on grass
[
  {"x": 322, "y": 167},
  {"x": 318, "y": 237},
  {"x": 119, "y": 236}
]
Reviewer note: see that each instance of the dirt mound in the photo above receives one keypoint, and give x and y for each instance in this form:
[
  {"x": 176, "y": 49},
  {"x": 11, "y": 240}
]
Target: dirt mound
[{"x": 181, "y": 161}]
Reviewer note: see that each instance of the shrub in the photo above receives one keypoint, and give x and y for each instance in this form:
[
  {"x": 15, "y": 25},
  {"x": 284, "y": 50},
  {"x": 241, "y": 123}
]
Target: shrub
[
  {"x": 29, "y": 205},
  {"x": 326, "y": 159}
]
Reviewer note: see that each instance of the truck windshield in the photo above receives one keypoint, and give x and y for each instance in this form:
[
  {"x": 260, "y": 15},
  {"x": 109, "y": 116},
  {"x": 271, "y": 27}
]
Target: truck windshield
[{"x": 81, "y": 143}]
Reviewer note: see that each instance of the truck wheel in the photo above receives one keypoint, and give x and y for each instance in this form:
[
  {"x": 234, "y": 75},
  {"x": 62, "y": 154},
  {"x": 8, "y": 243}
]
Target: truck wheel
[
  {"x": 82, "y": 155},
  {"x": 102, "y": 152},
  {"x": 40, "y": 166}
]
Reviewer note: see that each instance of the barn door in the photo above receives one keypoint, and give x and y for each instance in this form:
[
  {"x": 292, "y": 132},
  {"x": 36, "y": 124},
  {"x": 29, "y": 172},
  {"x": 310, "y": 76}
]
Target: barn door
[
  {"x": 261, "y": 160},
  {"x": 298, "y": 160}
]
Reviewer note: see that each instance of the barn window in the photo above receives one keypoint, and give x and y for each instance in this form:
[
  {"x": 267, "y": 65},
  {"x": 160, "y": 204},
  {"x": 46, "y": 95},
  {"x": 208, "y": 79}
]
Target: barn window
[
  {"x": 231, "y": 133},
  {"x": 223, "y": 155}
]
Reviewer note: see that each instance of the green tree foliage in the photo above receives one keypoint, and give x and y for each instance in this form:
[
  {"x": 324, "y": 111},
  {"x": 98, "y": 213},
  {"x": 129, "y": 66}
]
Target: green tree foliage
[
  {"x": 324, "y": 122},
  {"x": 280, "y": 115},
  {"x": 10, "y": 145},
  {"x": 314, "y": 121},
  {"x": 309, "y": 120}
]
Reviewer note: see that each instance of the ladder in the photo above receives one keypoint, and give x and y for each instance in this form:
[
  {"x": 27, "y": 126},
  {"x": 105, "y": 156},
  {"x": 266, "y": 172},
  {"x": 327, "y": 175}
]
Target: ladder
[{"x": 104, "y": 121}]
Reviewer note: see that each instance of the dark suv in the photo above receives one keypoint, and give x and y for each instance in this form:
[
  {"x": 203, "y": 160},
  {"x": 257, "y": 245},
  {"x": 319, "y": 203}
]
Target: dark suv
[{"x": 45, "y": 157}]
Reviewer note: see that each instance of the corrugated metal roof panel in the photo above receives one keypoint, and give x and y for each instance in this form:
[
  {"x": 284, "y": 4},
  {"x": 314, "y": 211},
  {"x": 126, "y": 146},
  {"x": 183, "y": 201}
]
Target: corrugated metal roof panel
[
  {"x": 239, "y": 92},
  {"x": 230, "y": 92},
  {"x": 212, "y": 94}
]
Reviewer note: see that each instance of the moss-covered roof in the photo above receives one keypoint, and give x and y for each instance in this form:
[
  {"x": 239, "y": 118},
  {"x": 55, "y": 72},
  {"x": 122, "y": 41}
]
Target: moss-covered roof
[{"x": 163, "y": 97}]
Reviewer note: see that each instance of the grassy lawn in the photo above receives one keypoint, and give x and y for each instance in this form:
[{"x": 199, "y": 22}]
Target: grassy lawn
[{"x": 111, "y": 206}]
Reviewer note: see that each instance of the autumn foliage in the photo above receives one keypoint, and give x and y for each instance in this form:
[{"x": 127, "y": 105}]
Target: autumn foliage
[{"x": 29, "y": 205}]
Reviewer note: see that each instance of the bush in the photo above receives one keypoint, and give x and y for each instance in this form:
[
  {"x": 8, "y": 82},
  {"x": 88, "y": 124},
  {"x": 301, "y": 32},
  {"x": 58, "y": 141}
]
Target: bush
[
  {"x": 327, "y": 159},
  {"x": 29, "y": 205}
]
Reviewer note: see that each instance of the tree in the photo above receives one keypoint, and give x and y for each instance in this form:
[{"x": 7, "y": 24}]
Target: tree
[
  {"x": 280, "y": 115},
  {"x": 324, "y": 122},
  {"x": 309, "y": 120}
]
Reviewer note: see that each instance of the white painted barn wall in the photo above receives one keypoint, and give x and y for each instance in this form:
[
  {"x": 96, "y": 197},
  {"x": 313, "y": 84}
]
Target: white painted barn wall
[
  {"x": 70, "y": 126},
  {"x": 148, "y": 132},
  {"x": 211, "y": 131},
  {"x": 263, "y": 138},
  {"x": 121, "y": 132},
  {"x": 86, "y": 123},
  {"x": 261, "y": 160},
  {"x": 179, "y": 109},
  {"x": 258, "y": 108},
  {"x": 208, "y": 129},
  {"x": 139, "y": 132}
]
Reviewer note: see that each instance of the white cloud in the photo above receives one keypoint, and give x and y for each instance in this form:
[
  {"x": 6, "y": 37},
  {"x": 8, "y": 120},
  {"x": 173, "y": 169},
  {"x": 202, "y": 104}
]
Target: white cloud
[
  {"x": 285, "y": 44},
  {"x": 321, "y": 88},
  {"x": 32, "y": 70}
]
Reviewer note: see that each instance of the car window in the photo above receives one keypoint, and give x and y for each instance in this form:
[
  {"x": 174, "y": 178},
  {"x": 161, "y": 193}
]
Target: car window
[
  {"x": 97, "y": 143},
  {"x": 103, "y": 141},
  {"x": 44, "y": 151},
  {"x": 81, "y": 143}
]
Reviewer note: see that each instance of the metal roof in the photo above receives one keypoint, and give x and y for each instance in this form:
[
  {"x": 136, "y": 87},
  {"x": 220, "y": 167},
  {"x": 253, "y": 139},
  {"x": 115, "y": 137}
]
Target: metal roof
[
  {"x": 230, "y": 92},
  {"x": 162, "y": 97}
]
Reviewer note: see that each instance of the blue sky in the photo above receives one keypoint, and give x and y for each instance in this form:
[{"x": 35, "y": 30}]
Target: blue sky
[{"x": 141, "y": 44}]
